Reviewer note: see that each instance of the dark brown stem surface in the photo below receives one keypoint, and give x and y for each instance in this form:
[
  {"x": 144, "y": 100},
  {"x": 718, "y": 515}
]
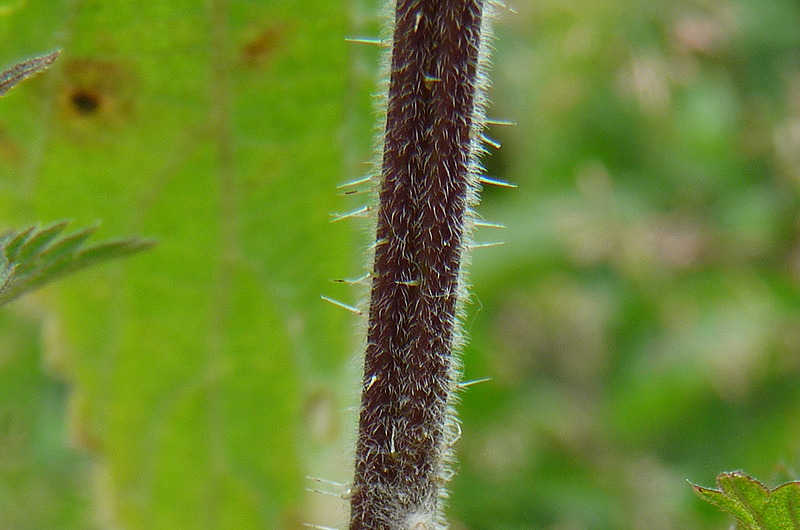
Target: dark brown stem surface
[{"x": 425, "y": 187}]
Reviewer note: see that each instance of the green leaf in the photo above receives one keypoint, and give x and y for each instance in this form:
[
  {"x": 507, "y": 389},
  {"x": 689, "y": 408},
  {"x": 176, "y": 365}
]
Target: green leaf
[
  {"x": 784, "y": 505},
  {"x": 43, "y": 482},
  {"x": 6, "y": 272},
  {"x": 219, "y": 129},
  {"x": 12, "y": 75},
  {"x": 36, "y": 256},
  {"x": 753, "y": 504}
]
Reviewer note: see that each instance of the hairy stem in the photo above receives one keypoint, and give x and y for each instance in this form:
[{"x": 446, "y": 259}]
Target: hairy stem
[{"x": 428, "y": 181}]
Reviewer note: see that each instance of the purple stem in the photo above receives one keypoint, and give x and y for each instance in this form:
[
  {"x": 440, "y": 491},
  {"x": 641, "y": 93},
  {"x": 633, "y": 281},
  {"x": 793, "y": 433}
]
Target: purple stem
[{"x": 426, "y": 187}]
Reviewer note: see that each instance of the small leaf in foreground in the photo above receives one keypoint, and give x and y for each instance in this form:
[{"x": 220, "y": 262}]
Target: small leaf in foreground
[
  {"x": 22, "y": 70},
  {"x": 753, "y": 504},
  {"x": 35, "y": 256}
]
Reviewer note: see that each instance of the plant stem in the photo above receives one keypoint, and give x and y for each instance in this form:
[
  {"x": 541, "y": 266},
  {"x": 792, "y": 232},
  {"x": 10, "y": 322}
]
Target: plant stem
[{"x": 428, "y": 183}]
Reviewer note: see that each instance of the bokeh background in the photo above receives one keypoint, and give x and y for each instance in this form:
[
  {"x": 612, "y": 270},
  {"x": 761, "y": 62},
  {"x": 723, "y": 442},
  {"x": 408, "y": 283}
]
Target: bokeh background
[{"x": 641, "y": 325}]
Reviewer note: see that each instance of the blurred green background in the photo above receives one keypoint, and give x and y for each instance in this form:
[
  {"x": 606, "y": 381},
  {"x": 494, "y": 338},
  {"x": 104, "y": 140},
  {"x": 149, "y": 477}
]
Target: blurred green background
[{"x": 641, "y": 325}]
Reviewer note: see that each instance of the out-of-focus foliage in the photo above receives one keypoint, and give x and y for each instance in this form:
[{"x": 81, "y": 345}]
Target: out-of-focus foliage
[
  {"x": 641, "y": 325},
  {"x": 186, "y": 388}
]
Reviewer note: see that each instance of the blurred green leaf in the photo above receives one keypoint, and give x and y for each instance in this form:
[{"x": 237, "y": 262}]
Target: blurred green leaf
[
  {"x": 216, "y": 128},
  {"x": 43, "y": 482},
  {"x": 36, "y": 256}
]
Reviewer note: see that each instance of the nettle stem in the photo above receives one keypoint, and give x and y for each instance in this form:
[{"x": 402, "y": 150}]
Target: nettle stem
[{"x": 428, "y": 185}]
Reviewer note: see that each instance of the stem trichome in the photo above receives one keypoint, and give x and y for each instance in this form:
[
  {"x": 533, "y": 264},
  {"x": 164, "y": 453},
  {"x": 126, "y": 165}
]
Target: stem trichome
[{"x": 428, "y": 183}]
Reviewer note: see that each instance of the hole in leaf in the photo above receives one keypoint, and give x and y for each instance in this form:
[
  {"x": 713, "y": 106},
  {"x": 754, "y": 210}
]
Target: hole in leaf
[
  {"x": 96, "y": 96},
  {"x": 85, "y": 103}
]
